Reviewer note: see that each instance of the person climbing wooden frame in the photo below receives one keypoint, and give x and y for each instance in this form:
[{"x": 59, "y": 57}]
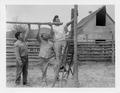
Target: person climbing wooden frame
[{"x": 60, "y": 61}]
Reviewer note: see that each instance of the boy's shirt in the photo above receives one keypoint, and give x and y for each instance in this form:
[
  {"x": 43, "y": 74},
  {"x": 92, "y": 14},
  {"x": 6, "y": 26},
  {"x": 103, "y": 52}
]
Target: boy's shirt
[{"x": 20, "y": 49}]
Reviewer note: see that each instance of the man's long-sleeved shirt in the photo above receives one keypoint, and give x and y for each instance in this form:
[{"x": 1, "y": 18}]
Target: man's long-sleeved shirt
[{"x": 20, "y": 50}]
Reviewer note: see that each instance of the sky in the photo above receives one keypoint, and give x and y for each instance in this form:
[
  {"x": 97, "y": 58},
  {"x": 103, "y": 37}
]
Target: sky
[{"x": 45, "y": 13}]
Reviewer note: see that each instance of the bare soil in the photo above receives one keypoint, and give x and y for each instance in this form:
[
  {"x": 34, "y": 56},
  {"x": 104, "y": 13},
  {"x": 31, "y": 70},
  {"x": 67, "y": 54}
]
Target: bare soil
[{"x": 91, "y": 74}]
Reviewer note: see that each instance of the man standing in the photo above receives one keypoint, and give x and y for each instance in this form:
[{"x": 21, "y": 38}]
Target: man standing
[
  {"x": 21, "y": 53},
  {"x": 45, "y": 52}
]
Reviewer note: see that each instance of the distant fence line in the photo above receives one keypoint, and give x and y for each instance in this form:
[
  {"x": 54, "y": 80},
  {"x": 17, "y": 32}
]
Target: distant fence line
[{"x": 87, "y": 51}]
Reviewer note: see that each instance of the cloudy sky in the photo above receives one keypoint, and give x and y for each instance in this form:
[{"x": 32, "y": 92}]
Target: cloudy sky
[{"x": 45, "y": 13}]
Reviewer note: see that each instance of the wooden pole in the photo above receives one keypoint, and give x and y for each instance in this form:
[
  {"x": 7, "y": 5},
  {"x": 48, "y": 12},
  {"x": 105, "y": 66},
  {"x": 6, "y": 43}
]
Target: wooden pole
[
  {"x": 113, "y": 46},
  {"x": 75, "y": 68},
  {"x": 29, "y": 27},
  {"x": 39, "y": 27},
  {"x": 72, "y": 25},
  {"x": 35, "y": 23}
]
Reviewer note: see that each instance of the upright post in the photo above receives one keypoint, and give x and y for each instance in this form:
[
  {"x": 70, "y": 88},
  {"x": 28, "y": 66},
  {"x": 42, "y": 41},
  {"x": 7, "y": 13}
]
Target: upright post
[
  {"x": 75, "y": 68},
  {"x": 72, "y": 25},
  {"x": 38, "y": 27},
  {"x": 113, "y": 47},
  {"x": 29, "y": 27}
]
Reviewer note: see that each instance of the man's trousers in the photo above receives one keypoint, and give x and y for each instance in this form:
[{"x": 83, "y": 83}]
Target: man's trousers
[{"x": 22, "y": 70}]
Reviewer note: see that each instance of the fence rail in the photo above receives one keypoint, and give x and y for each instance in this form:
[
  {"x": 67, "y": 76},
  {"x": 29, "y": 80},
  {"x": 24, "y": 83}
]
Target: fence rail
[{"x": 87, "y": 51}]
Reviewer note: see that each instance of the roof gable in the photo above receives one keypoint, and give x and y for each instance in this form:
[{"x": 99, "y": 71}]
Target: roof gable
[{"x": 88, "y": 18}]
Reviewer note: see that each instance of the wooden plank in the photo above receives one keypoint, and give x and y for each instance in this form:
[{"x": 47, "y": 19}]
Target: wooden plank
[
  {"x": 85, "y": 49},
  {"x": 85, "y": 46}
]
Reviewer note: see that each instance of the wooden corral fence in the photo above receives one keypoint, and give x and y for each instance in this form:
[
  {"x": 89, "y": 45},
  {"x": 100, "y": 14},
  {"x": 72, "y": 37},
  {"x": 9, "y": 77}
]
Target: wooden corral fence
[
  {"x": 87, "y": 51},
  {"x": 96, "y": 51},
  {"x": 33, "y": 49}
]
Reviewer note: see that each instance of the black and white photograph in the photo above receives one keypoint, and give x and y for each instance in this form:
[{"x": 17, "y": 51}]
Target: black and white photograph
[{"x": 60, "y": 46}]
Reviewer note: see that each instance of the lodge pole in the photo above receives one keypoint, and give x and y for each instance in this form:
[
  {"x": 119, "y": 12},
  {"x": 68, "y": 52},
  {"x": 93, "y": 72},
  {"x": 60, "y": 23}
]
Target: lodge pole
[{"x": 75, "y": 68}]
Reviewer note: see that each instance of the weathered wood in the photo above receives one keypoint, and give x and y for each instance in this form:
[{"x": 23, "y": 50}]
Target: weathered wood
[
  {"x": 113, "y": 48},
  {"x": 87, "y": 51},
  {"x": 34, "y": 23},
  {"x": 75, "y": 69},
  {"x": 72, "y": 25}
]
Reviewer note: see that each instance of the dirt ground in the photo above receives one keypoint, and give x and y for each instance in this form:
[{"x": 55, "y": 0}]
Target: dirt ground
[{"x": 91, "y": 74}]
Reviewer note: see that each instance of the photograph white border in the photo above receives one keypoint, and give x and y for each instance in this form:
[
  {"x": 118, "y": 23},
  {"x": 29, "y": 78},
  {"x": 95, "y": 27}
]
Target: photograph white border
[{"x": 3, "y": 4}]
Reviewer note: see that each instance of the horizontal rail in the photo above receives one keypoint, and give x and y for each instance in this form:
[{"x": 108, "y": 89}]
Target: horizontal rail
[
  {"x": 87, "y": 51},
  {"x": 68, "y": 39},
  {"x": 37, "y": 23}
]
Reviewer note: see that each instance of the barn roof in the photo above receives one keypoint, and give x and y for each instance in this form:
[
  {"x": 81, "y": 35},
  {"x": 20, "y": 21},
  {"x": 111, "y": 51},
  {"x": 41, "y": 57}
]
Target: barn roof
[{"x": 88, "y": 18}]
